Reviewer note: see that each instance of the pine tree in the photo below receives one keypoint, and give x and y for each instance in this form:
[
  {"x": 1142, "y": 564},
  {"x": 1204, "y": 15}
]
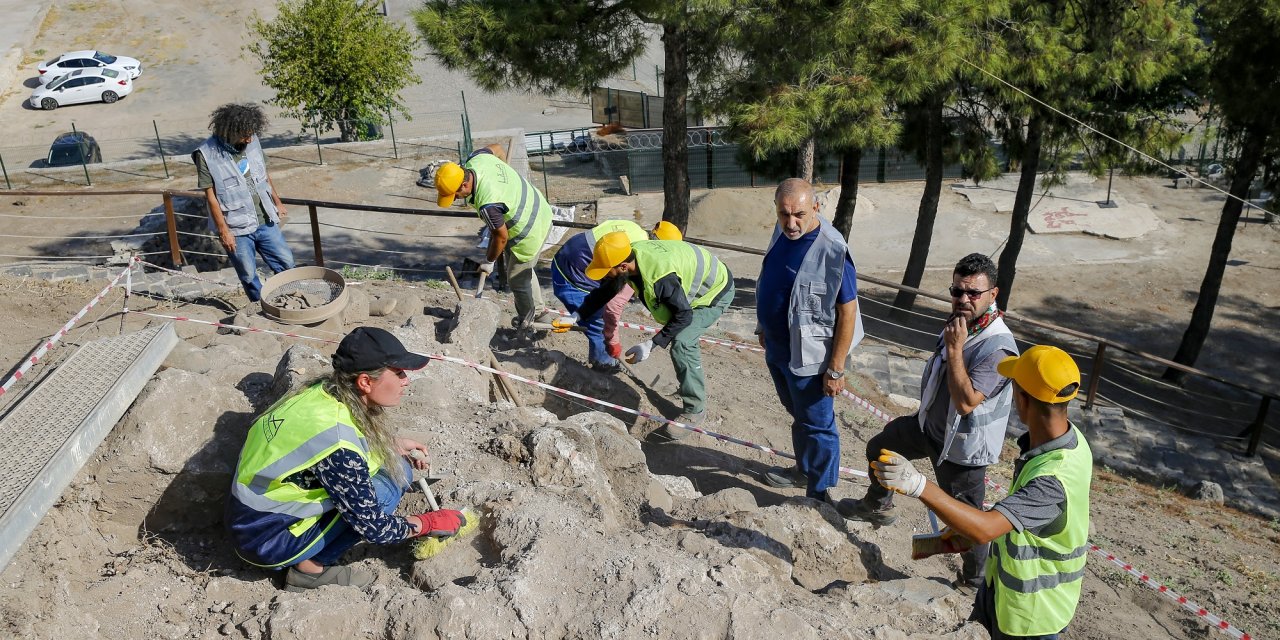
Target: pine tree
[
  {"x": 553, "y": 45},
  {"x": 334, "y": 63},
  {"x": 1092, "y": 58},
  {"x": 1244, "y": 84}
]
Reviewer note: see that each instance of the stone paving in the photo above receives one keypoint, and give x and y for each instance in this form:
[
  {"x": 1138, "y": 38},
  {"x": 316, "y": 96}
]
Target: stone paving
[{"x": 1128, "y": 445}]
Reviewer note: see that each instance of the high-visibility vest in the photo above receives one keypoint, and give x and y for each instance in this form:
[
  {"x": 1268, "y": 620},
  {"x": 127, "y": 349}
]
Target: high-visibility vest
[
  {"x": 528, "y": 214},
  {"x": 1037, "y": 580},
  {"x": 285, "y": 440},
  {"x": 702, "y": 275}
]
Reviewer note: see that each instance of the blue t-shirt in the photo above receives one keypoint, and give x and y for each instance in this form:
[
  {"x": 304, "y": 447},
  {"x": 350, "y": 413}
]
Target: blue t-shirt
[
  {"x": 773, "y": 292},
  {"x": 572, "y": 259}
]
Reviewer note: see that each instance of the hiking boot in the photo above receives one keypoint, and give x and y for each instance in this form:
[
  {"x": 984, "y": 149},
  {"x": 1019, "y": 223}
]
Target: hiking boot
[
  {"x": 297, "y": 581},
  {"x": 858, "y": 510},
  {"x": 671, "y": 433},
  {"x": 785, "y": 478},
  {"x": 608, "y": 368}
]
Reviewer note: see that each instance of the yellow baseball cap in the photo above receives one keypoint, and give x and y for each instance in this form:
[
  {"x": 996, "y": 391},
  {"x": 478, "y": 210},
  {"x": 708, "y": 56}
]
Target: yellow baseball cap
[
  {"x": 667, "y": 231},
  {"x": 1045, "y": 372},
  {"x": 448, "y": 179},
  {"x": 610, "y": 251}
]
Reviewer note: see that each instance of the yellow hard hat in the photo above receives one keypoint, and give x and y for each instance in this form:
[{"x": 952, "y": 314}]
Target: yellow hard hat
[
  {"x": 610, "y": 251},
  {"x": 448, "y": 179},
  {"x": 667, "y": 231},
  {"x": 1045, "y": 372}
]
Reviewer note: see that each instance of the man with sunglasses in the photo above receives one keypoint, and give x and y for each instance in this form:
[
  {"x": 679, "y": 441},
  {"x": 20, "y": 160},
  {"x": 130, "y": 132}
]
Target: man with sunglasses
[{"x": 964, "y": 407}]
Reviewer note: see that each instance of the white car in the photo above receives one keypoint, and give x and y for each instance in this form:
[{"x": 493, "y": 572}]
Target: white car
[
  {"x": 69, "y": 62},
  {"x": 83, "y": 85}
]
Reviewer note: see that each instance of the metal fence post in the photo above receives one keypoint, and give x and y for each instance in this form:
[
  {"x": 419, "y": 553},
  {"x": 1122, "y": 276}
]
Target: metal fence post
[
  {"x": 6, "y": 174},
  {"x": 320, "y": 156},
  {"x": 83, "y": 162},
  {"x": 1095, "y": 374},
  {"x": 391, "y": 122},
  {"x": 546, "y": 188},
  {"x": 171, "y": 221},
  {"x": 160, "y": 148},
  {"x": 315, "y": 235}
]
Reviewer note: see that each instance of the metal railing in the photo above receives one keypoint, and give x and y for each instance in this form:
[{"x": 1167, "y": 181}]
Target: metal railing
[{"x": 1100, "y": 364}]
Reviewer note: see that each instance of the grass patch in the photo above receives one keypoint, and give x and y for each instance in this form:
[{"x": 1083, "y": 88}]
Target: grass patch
[
  {"x": 437, "y": 284},
  {"x": 369, "y": 273}
]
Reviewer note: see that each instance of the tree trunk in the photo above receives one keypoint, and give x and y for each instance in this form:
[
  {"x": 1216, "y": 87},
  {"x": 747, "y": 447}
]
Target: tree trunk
[
  {"x": 928, "y": 203},
  {"x": 804, "y": 160},
  {"x": 1021, "y": 209},
  {"x": 675, "y": 141},
  {"x": 848, "y": 191},
  {"x": 1202, "y": 316}
]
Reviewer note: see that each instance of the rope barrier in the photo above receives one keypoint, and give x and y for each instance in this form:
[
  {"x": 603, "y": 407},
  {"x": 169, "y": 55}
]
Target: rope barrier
[
  {"x": 1199, "y": 611},
  {"x": 127, "y": 235},
  {"x": 26, "y": 217},
  {"x": 55, "y": 338},
  {"x": 150, "y": 253},
  {"x": 1171, "y": 425},
  {"x": 224, "y": 325},
  {"x": 1121, "y": 387}
]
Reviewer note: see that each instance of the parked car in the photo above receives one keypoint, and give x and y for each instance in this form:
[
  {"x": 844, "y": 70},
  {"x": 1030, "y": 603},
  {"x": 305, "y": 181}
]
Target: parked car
[
  {"x": 82, "y": 85},
  {"x": 68, "y": 62},
  {"x": 73, "y": 147}
]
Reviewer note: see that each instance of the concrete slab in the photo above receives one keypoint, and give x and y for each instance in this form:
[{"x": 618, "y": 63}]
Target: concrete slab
[
  {"x": 1069, "y": 208},
  {"x": 54, "y": 430}
]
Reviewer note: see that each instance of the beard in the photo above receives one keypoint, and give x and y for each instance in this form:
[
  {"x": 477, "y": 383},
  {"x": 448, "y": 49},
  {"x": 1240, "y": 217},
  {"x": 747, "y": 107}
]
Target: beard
[{"x": 240, "y": 146}]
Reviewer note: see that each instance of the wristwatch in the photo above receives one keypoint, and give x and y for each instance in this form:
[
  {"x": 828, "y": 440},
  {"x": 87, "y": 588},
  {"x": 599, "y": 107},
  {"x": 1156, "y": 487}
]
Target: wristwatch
[{"x": 834, "y": 375}]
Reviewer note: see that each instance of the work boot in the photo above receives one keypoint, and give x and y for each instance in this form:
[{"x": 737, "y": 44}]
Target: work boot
[
  {"x": 298, "y": 581},
  {"x": 785, "y": 477},
  {"x": 859, "y": 510},
  {"x": 671, "y": 433}
]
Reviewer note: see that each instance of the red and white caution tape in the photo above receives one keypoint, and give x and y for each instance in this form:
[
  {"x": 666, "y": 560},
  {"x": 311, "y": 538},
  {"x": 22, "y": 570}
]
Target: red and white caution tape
[
  {"x": 642, "y": 414},
  {"x": 862, "y": 402},
  {"x": 1200, "y": 612},
  {"x": 44, "y": 348},
  {"x": 223, "y": 325}
]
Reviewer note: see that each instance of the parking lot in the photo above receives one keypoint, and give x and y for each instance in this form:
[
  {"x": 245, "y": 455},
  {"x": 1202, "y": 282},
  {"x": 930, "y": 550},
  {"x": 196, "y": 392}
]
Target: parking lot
[{"x": 194, "y": 62}]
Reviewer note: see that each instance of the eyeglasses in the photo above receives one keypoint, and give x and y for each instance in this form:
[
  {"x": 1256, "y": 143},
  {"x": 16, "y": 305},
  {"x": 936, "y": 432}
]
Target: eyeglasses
[
  {"x": 957, "y": 292},
  {"x": 400, "y": 373}
]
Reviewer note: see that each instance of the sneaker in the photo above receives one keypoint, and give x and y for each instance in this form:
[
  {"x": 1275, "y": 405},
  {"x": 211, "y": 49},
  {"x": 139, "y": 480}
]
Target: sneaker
[
  {"x": 298, "y": 581},
  {"x": 673, "y": 433},
  {"x": 858, "y": 510},
  {"x": 965, "y": 587},
  {"x": 785, "y": 478},
  {"x": 608, "y": 368}
]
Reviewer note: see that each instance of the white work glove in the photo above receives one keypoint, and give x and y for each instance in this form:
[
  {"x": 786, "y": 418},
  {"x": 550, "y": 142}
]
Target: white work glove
[
  {"x": 639, "y": 352},
  {"x": 895, "y": 472},
  {"x": 486, "y": 268},
  {"x": 562, "y": 324}
]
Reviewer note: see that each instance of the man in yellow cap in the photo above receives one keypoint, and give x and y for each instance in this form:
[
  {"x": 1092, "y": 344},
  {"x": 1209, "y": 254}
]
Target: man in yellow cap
[
  {"x": 1041, "y": 529},
  {"x": 684, "y": 286},
  {"x": 571, "y": 285},
  {"x": 518, "y": 216}
]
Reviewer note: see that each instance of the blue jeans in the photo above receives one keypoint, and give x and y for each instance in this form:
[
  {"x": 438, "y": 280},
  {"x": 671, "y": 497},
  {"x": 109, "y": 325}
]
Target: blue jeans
[
  {"x": 341, "y": 537},
  {"x": 269, "y": 241},
  {"x": 572, "y": 297},
  {"x": 814, "y": 436}
]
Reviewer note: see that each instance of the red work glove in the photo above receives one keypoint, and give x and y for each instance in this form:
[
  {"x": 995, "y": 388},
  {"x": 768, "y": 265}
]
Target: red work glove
[
  {"x": 615, "y": 349},
  {"x": 440, "y": 524}
]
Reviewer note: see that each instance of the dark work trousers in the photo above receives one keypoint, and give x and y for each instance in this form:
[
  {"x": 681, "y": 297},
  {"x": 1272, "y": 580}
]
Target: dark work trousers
[
  {"x": 904, "y": 436},
  {"x": 814, "y": 437}
]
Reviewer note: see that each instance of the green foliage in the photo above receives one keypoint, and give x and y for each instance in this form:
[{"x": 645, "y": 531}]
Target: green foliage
[
  {"x": 368, "y": 273},
  {"x": 334, "y": 62},
  {"x": 535, "y": 45}
]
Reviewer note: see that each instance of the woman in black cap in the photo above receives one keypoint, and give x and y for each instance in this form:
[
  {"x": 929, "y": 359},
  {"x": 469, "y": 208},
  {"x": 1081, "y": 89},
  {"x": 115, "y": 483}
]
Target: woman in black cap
[{"x": 321, "y": 470}]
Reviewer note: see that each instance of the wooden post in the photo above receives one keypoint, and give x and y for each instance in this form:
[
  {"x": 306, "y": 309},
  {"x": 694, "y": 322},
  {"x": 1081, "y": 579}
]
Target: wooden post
[
  {"x": 172, "y": 222},
  {"x": 1259, "y": 423},
  {"x": 503, "y": 386},
  {"x": 315, "y": 235},
  {"x": 1095, "y": 374}
]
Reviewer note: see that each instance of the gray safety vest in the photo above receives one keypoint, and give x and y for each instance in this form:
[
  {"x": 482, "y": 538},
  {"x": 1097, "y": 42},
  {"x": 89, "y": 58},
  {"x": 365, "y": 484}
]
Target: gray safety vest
[
  {"x": 232, "y": 190},
  {"x": 811, "y": 313},
  {"x": 973, "y": 440}
]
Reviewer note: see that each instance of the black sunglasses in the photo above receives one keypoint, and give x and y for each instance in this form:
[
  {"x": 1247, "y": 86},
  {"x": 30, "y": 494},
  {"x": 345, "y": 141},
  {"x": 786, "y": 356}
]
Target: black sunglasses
[{"x": 957, "y": 292}]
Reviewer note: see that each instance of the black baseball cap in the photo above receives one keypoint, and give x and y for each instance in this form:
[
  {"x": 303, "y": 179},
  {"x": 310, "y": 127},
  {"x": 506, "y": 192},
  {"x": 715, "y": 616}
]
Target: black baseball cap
[{"x": 370, "y": 348}]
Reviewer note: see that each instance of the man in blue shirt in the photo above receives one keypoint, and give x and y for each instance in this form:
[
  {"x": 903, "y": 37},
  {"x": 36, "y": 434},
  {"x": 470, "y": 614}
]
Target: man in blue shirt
[{"x": 806, "y": 320}]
